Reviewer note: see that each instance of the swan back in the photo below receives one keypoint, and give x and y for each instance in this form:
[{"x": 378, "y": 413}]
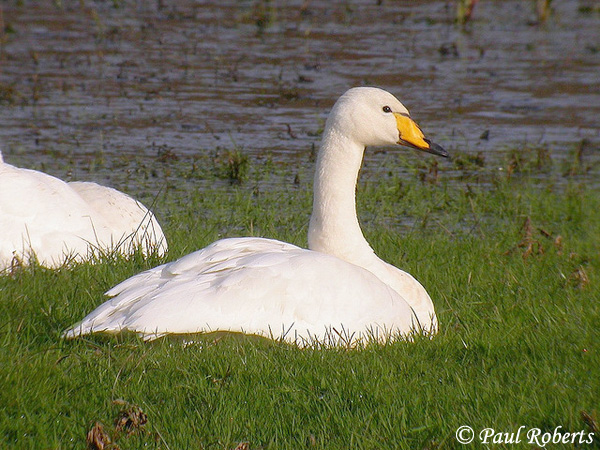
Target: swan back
[
  {"x": 132, "y": 224},
  {"x": 59, "y": 222},
  {"x": 256, "y": 286}
]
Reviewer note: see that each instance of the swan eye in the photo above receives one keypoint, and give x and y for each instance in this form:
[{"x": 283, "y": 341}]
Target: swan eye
[{"x": 387, "y": 109}]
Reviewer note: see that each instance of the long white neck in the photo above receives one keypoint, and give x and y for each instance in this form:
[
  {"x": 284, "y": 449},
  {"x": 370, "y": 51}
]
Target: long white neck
[{"x": 334, "y": 227}]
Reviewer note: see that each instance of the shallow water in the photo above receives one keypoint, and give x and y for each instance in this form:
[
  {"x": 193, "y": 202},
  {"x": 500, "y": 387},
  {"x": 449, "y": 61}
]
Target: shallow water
[{"x": 86, "y": 86}]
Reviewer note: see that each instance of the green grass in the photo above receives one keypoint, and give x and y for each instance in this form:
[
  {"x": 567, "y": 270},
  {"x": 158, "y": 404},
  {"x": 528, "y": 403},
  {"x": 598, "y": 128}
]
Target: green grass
[{"x": 514, "y": 271}]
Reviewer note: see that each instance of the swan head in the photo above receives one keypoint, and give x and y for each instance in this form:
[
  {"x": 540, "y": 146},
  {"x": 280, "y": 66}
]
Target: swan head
[{"x": 373, "y": 117}]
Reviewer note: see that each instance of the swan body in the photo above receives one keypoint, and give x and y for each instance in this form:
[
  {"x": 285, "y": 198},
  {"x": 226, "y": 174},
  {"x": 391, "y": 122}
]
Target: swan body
[
  {"x": 59, "y": 222},
  {"x": 256, "y": 286},
  {"x": 125, "y": 216},
  {"x": 339, "y": 291}
]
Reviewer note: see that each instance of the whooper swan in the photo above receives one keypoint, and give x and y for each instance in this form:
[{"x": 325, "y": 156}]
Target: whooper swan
[
  {"x": 339, "y": 291},
  {"x": 56, "y": 222}
]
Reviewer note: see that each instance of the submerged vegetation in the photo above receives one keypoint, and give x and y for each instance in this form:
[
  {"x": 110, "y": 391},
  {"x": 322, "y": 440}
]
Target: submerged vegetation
[{"x": 511, "y": 261}]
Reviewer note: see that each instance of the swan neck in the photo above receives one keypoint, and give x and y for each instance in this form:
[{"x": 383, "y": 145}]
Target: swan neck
[{"x": 334, "y": 226}]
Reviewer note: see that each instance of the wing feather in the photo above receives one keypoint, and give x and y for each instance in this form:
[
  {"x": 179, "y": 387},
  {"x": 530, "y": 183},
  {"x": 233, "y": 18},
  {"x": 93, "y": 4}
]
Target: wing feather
[
  {"x": 56, "y": 221},
  {"x": 251, "y": 285}
]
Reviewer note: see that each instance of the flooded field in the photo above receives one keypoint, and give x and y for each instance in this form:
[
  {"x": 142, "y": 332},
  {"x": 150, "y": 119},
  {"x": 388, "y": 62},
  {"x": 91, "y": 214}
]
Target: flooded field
[{"x": 99, "y": 89}]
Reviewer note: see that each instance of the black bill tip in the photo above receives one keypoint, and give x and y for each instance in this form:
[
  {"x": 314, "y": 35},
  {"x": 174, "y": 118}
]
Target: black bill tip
[{"x": 435, "y": 149}]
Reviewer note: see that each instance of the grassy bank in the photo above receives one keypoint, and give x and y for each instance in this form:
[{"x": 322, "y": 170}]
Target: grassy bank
[{"x": 514, "y": 271}]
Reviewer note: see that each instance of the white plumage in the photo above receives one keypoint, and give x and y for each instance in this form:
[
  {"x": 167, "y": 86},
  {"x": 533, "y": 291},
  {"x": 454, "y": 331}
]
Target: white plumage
[
  {"x": 339, "y": 291},
  {"x": 62, "y": 222}
]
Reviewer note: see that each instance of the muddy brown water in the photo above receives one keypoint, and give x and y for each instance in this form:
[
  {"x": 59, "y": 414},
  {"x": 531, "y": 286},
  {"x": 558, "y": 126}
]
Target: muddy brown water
[{"x": 85, "y": 81}]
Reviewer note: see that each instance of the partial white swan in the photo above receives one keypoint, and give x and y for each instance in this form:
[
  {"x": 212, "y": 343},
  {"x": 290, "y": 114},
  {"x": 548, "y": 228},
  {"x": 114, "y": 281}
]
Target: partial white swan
[
  {"x": 59, "y": 222},
  {"x": 339, "y": 291}
]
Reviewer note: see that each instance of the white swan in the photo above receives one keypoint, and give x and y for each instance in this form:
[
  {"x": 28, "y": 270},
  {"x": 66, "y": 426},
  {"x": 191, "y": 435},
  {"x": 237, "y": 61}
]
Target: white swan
[
  {"x": 339, "y": 291},
  {"x": 61, "y": 222}
]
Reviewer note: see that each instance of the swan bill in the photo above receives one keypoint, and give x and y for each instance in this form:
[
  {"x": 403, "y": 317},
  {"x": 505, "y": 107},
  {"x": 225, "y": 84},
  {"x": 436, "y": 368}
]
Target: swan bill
[
  {"x": 410, "y": 135},
  {"x": 435, "y": 149}
]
